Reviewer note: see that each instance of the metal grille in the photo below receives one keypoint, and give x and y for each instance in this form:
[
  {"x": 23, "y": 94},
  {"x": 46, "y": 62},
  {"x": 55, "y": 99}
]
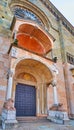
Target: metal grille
[{"x": 25, "y": 100}]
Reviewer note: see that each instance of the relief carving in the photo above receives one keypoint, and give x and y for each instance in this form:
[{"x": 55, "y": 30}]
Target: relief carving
[{"x": 9, "y": 104}]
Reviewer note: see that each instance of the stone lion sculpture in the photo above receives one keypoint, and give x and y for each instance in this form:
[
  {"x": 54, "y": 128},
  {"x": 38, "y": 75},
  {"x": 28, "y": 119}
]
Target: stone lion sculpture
[
  {"x": 57, "y": 107},
  {"x": 9, "y": 104}
]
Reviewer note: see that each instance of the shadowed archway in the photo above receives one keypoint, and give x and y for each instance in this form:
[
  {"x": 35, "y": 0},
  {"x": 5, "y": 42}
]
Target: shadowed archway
[{"x": 32, "y": 78}]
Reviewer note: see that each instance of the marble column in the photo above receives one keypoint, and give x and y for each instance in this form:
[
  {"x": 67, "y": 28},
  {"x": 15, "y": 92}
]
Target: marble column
[
  {"x": 38, "y": 106},
  {"x": 42, "y": 99},
  {"x": 48, "y": 98},
  {"x": 10, "y": 82},
  {"x": 55, "y": 95}
]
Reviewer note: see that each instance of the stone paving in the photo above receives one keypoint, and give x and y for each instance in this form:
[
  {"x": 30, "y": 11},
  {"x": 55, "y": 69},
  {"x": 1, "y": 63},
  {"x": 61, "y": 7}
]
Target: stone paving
[{"x": 47, "y": 125}]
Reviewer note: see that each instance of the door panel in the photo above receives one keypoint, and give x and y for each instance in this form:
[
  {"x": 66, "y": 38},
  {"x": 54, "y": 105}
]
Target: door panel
[{"x": 25, "y": 100}]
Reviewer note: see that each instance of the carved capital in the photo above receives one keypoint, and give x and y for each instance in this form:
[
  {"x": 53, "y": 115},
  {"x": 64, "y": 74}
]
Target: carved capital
[
  {"x": 54, "y": 82},
  {"x": 10, "y": 73}
]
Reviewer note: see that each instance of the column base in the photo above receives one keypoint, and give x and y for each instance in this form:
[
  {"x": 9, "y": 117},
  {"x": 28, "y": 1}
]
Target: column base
[
  {"x": 8, "y": 117},
  {"x": 59, "y": 117}
]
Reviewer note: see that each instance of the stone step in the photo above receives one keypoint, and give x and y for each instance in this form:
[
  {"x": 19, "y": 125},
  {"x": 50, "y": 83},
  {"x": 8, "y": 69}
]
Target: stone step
[{"x": 32, "y": 119}]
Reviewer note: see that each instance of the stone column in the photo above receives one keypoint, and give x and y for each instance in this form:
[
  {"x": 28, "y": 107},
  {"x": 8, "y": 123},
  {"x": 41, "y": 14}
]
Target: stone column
[
  {"x": 38, "y": 105},
  {"x": 42, "y": 99},
  {"x": 48, "y": 98},
  {"x": 54, "y": 84},
  {"x": 55, "y": 95},
  {"x": 10, "y": 81}
]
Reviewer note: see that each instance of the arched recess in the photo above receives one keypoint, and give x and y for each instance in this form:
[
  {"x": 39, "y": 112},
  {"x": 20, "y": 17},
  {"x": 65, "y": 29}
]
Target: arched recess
[
  {"x": 31, "y": 7},
  {"x": 34, "y": 73},
  {"x": 33, "y": 38},
  {"x": 33, "y": 67}
]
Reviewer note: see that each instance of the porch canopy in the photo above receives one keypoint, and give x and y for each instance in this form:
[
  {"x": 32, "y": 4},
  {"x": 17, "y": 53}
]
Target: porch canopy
[{"x": 32, "y": 36}]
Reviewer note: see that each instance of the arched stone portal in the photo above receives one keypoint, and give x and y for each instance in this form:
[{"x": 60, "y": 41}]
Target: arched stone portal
[
  {"x": 32, "y": 73},
  {"x": 29, "y": 67}
]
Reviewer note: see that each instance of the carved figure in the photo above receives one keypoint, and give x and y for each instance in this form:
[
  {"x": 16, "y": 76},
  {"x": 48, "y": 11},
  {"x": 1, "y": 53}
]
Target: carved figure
[
  {"x": 9, "y": 104},
  {"x": 57, "y": 107}
]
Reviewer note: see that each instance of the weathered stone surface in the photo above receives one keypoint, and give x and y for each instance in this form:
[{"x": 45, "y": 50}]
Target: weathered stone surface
[
  {"x": 57, "y": 116},
  {"x": 63, "y": 43},
  {"x": 5, "y": 14},
  {"x": 8, "y": 117}
]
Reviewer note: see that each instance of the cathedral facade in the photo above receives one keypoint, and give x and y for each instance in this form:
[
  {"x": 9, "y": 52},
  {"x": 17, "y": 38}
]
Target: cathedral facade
[{"x": 36, "y": 57}]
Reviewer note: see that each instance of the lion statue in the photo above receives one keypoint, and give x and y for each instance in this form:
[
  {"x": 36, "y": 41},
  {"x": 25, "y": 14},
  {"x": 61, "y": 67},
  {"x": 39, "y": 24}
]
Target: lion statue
[
  {"x": 9, "y": 104},
  {"x": 57, "y": 107}
]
